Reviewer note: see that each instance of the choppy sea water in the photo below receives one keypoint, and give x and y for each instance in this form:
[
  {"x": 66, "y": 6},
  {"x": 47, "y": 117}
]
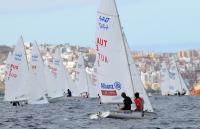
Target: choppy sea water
[{"x": 173, "y": 112}]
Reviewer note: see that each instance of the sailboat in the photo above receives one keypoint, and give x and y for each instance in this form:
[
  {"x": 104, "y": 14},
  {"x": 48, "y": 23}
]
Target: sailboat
[
  {"x": 116, "y": 69},
  {"x": 93, "y": 91},
  {"x": 57, "y": 78},
  {"x": 176, "y": 79},
  {"x": 16, "y": 86},
  {"x": 81, "y": 79},
  {"x": 165, "y": 87},
  {"x": 37, "y": 83}
]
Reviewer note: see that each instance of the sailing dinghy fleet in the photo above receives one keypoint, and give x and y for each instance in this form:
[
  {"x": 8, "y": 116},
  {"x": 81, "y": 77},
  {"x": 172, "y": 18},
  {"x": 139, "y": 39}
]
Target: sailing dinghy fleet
[
  {"x": 114, "y": 72},
  {"x": 172, "y": 82},
  {"x": 33, "y": 82}
]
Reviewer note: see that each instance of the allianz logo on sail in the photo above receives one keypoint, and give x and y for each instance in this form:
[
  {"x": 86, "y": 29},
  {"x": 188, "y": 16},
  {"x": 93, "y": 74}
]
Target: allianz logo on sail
[
  {"x": 116, "y": 85},
  {"x": 18, "y": 56}
]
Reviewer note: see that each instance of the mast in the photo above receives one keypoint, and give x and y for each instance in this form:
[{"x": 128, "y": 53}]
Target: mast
[
  {"x": 125, "y": 49},
  {"x": 25, "y": 52}
]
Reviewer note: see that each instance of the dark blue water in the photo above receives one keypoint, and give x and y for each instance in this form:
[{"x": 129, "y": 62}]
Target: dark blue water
[{"x": 173, "y": 113}]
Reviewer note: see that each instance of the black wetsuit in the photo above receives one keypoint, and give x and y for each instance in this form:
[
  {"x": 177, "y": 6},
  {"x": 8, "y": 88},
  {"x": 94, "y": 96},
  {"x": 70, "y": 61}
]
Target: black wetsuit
[
  {"x": 127, "y": 103},
  {"x": 15, "y": 103},
  {"x": 69, "y": 94}
]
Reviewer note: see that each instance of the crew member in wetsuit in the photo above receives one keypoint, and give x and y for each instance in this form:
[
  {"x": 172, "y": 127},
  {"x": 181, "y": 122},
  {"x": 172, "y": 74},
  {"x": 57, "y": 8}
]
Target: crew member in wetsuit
[
  {"x": 69, "y": 93},
  {"x": 15, "y": 103},
  {"x": 127, "y": 102},
  {"x": 139, "y": 102}
]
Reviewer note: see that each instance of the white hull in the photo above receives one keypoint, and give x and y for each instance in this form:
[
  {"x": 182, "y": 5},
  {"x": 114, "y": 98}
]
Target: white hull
[
  {"x": 123, "y": 115},
  {"x": 43, "y": 101},
  {"x": 54, "y": 100}
]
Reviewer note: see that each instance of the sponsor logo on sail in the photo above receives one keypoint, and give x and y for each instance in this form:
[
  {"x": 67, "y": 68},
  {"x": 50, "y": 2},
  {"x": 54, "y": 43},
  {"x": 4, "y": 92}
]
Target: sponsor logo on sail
[
  {"x": 34, "y": 58},
  {"x": 103, "y": 22},
  {"x": 116, "y": 86},
  {"x": 18, "y": 56},
  {"x": 110, "y": 89}
]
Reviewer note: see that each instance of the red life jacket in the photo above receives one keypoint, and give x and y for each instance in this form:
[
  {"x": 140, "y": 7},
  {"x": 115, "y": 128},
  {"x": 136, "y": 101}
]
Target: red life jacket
[{"x": 139, "y": 104}]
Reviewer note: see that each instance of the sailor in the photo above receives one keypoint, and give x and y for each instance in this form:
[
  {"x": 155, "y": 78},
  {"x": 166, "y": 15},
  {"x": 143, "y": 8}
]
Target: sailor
[
  {"x": 99, "y": 97},
  {"x": 87, "y": 94},
  {"x": 15, "y": 103},
  {"x": 127, "y": 102},
  {"x": 179, "y": 93},
  {"x": 139, "y": 102},
  {"x": 69, "y": 93}
]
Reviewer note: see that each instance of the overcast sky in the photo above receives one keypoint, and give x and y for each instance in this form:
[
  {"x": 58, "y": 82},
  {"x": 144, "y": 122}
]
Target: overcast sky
[{"x": 158, "y": 25}]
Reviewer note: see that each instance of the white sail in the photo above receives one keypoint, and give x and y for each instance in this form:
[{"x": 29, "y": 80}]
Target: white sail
[
  {"x": 176, "y": 79},
  {"x": 57, "y": 72},
  {"x": 81, "y": 76},
  {"x": 165, "y": 80},
  {"x": 136, "y": 79},
  {"x": 37, "y": 79},
  {"x": 72, "y": 85},
  {"x": 113, "y": 72},
  {"x": 185, "y": 89},
  {"x": 93, "y": 91},
  {"x": 50, "y": 84},
  {"x": 16, "y": 88}
]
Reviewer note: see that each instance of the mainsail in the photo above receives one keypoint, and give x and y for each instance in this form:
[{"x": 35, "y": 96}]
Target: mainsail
[
  {"x": 165, "y": 80},
  {"x": 81, "y": 76},
  {"x": 16, "y": 88},
  {"x": 92, "y": 79},
  {"x": 176, "y": 79},
  {"x": 57, "y": 71},
  {"x": 37, "y": 79}
]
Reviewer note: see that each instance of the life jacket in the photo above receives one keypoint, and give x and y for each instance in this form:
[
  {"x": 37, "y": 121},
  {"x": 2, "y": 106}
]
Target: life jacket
[{"x": 139, "y": 104}]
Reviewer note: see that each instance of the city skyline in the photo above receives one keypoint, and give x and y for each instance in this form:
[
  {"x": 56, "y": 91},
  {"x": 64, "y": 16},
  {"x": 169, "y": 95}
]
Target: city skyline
[{"x": 149, "y": 25}]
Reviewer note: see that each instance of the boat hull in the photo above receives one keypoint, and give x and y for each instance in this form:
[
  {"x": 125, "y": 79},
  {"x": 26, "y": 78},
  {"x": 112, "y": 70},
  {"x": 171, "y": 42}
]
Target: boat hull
[
  {"x": 56, "y": 99},
  {"x": 123, "y": 115}
]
